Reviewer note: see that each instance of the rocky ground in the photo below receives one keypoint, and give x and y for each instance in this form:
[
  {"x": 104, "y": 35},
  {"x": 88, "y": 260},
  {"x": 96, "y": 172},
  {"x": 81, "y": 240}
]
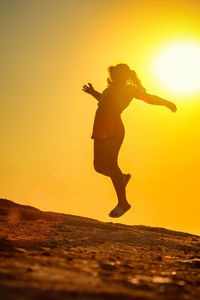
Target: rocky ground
[{"x": 47, "y": 255}]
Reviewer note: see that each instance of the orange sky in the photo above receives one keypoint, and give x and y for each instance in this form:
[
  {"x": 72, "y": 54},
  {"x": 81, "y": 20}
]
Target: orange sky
[{"x": 49, "y": 50}]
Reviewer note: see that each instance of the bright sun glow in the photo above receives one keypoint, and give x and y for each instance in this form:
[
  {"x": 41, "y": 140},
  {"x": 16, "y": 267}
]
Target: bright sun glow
[{"x": 178, "y": 67}]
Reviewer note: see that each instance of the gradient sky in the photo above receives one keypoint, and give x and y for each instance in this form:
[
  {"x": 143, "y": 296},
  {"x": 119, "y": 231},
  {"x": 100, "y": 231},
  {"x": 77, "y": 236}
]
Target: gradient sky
[{"x": 49, "y": 49}]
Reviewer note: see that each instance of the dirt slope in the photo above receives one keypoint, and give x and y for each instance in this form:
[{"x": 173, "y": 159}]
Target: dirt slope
[{"x": 46, "y": 255}]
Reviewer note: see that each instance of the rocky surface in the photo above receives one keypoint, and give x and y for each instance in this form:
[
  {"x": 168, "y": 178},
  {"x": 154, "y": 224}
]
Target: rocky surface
[{"x": 46, "y": 255}]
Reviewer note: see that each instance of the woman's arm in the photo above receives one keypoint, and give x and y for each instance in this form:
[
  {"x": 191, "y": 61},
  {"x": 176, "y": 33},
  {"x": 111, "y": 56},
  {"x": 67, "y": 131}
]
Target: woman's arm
[
  {"x": 153, "y": 99},
  {"x": 90, "y": 90}
]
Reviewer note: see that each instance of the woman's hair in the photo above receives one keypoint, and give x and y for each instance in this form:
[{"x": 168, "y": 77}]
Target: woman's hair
[{"x": 121, "y": 73}]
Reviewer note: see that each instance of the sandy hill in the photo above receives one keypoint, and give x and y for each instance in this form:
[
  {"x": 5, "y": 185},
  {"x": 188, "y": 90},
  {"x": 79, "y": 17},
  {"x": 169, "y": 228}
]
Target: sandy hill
[{"x": 45, "y": 255}]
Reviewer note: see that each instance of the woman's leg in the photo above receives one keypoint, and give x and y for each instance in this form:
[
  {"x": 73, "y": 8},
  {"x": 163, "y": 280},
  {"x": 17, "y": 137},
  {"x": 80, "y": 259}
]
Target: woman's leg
[
  {"x": 101, "y": 159},
  {"x": 112, "y": 147}
]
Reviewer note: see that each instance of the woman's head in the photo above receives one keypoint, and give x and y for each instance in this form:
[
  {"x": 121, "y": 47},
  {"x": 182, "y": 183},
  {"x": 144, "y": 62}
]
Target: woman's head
[{"x": 122, "y": 74}]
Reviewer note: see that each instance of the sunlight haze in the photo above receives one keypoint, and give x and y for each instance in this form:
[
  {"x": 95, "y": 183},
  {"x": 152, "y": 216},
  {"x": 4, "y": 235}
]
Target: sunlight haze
[
  {"x": 178, "y": 66},
  {"x": 49, "y": 50}
]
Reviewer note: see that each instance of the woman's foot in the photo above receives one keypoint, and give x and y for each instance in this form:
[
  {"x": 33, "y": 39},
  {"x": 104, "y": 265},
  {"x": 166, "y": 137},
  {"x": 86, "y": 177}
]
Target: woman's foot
[
  {"x": 127, "y": 178},
  {"x": 119, "y": 210}
]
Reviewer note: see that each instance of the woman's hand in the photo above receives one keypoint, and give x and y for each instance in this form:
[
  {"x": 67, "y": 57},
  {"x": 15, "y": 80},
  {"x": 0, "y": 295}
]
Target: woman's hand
[
  {"x": 171, "y": 106},
  {"x": 88, "y": 89}
]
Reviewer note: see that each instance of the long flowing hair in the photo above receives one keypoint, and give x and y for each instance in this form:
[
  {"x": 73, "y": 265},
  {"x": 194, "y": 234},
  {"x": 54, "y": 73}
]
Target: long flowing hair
[{"x": 121, "y": 73}]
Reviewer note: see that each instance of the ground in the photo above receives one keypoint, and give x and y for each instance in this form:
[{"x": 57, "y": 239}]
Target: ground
[{"x": 46, "y": 255}]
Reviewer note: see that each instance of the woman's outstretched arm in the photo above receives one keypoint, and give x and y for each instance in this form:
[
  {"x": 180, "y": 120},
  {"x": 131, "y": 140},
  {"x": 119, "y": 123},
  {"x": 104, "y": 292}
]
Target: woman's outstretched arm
[
  {"x": 153, "y": 99},
  {"x": 90, "y": 90}
]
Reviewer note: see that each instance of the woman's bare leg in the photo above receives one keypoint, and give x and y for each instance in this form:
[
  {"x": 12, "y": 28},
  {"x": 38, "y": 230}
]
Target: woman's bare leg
[
  {"x": 105, "y": 162},
  {"x": 119, "y": 183},
  {"x": 101, "y": 160},
  {"x": 112, "y": 147}
]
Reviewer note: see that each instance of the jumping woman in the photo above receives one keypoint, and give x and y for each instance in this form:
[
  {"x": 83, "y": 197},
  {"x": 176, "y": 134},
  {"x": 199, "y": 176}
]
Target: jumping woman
[{"x": 108, "y": 129}]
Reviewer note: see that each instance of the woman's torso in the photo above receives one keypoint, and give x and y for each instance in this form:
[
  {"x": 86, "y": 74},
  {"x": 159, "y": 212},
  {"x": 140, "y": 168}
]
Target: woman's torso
[
  {"x": 115, "y": 99},
  {"x": 108, "y": 121}
]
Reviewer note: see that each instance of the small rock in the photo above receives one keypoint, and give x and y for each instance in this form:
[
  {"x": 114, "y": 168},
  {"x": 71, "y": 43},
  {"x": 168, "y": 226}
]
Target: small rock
[
  {"x": 196, "y": 263},
  {"x": 46, "y": 253},
  {"x": 106, "y": 266},
  {"x": 69, "y": 258},
  {"x": 29, "y": 269},
  {"x": 20, "y": 250},
  {"x": 159, "y": 257}
]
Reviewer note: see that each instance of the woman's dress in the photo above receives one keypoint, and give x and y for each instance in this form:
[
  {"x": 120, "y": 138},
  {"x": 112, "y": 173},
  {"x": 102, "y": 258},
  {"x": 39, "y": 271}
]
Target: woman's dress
[{"x": 114, "y": 99}]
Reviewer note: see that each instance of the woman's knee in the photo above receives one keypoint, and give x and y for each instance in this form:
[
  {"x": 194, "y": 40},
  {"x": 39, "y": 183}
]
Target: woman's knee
[{"x": 98, "y": 166}]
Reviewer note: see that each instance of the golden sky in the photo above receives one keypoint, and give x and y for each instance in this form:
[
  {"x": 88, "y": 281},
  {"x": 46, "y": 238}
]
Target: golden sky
[{"x": 49, "y": 50}]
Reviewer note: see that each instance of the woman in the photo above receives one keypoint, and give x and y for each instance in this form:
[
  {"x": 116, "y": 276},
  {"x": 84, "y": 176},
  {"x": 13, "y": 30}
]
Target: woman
[{"x": 108, "y": 129}]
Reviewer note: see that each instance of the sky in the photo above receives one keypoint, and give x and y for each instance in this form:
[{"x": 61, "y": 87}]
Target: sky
[{"x": 49, "y": 50}]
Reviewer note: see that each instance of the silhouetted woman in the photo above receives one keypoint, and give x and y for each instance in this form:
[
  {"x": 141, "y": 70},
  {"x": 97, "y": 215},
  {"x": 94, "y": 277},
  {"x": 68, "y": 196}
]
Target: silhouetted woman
[{"x": 108, "y": 129}]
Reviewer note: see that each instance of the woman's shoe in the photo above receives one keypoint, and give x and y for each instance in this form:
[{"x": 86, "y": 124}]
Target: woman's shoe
[{"x": 119, "y": 211}]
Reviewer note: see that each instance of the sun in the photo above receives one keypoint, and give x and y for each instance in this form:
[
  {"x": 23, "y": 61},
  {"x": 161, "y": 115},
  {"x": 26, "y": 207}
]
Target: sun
[{"x": 178, "y": 67}]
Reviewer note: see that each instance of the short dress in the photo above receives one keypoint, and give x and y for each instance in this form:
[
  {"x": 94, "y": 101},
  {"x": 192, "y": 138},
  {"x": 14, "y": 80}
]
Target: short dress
[
  {"x": 106, "y": 126},
  {"x": 114, "y": 99}
]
